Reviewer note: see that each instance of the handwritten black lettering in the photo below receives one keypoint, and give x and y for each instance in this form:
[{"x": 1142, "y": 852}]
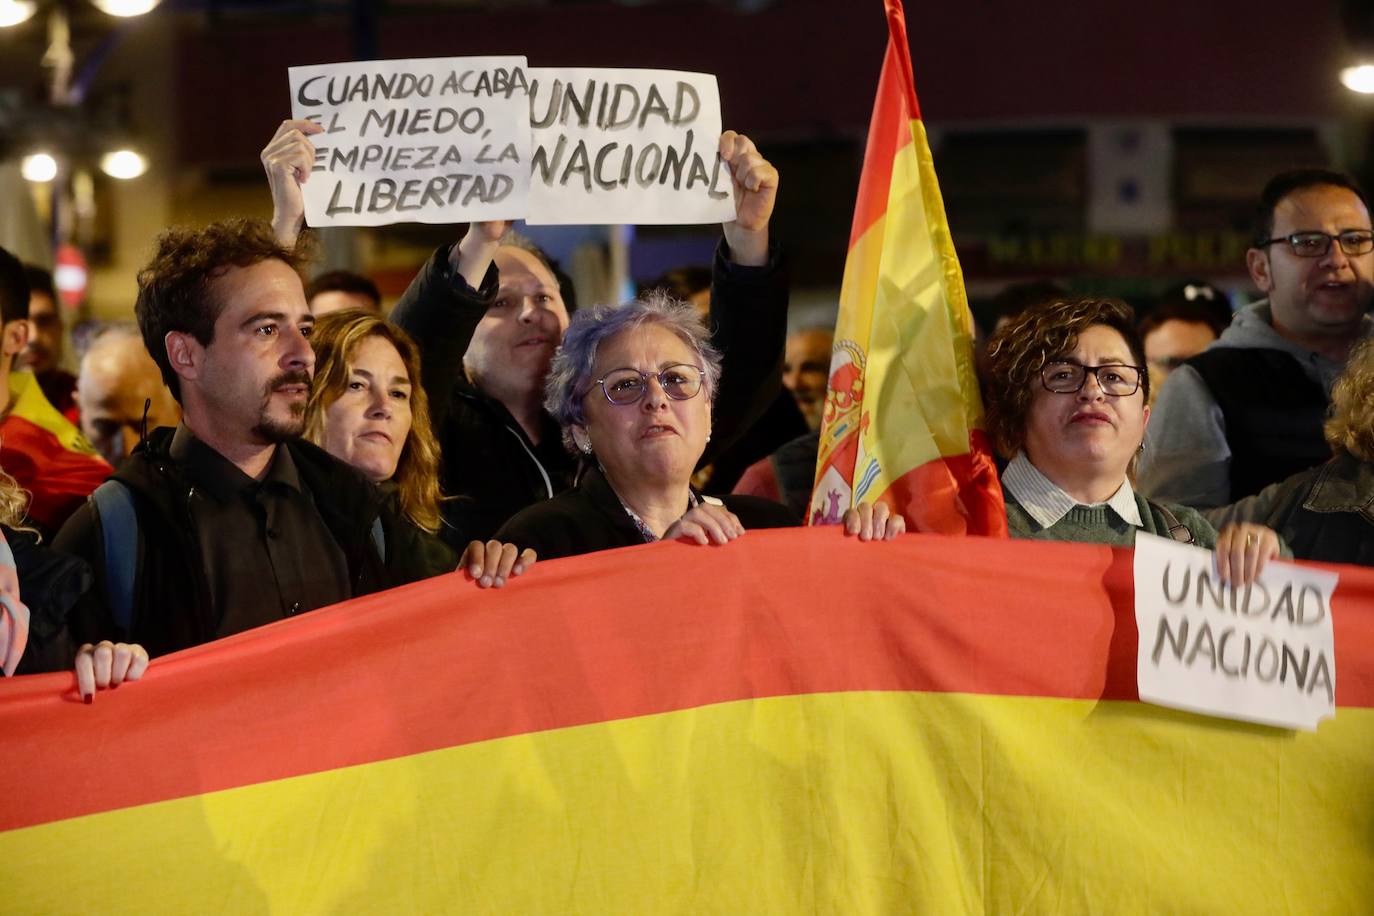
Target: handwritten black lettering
[
  {"x": 1183, "y": 588},
  {"x": 1197, "y": 645},
  {"x": 543, "y": 166},
  {"x": 714, "y": 192},
  {"x": 1321, "y": 677},
  {"x": 364, "y": 87},
  {"x": 686, "y": 92},
  {"x": 1178, "y": 641},
  {"x": 578, "y": 164},
  {"x": 426, "y": 159},
  {"x": 612, "y": 183},
  {"x": 1205, "y": 585},
  {"x": 645, "y": 177},
  {"x": 1298, "y": 668},
  {"x": 654, "y": 106},
  {"x": 673, "y": 162},
  {"x": 1315, "y": 596}
]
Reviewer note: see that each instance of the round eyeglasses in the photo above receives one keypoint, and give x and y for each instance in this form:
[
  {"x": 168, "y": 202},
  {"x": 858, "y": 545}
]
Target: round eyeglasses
[
  {"x": 1317, "y": 244},
  {"x": 623, "y": 387},
  {"x": 1114, "y": 379}
]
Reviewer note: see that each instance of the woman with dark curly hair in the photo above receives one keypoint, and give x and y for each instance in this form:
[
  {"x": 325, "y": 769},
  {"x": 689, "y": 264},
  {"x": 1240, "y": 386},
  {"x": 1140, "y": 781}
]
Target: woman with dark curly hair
[
  {"x": 1327, "y": 513},
  {"x": 1067, "y": 404}
]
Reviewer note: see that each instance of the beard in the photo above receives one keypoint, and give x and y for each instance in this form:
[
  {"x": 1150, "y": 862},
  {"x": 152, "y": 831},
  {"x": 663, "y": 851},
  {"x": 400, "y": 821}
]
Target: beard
[{"x": 282, "y": 429}]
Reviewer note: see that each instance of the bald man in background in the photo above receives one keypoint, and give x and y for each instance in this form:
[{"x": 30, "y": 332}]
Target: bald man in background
[
  {"x": 806, "y": 370},
  {"x": 117, "y": 376}
]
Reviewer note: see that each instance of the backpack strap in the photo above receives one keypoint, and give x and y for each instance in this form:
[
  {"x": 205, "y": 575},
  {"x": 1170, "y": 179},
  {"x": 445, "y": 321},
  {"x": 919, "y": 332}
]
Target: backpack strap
[
  {"x": 114, "y": 505},
  {"x": 1177, "y": 530}
]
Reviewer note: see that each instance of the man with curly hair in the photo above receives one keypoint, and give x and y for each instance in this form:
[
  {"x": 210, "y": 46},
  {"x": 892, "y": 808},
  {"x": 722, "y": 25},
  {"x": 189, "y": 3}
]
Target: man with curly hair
[
  {"x": 1248, "y": 411},
  {"x": 240, "y": 522}
]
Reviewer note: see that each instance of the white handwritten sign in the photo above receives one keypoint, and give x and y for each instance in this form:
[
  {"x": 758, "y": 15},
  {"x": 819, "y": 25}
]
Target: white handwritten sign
[
  {"x": 437, "y": 140},
  {"x": 1263, "y": 653},
  {"x": 626, "y": 146}
]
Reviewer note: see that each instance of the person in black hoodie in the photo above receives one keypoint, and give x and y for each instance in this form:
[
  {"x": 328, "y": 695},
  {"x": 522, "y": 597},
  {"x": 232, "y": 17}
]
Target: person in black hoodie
[{"x": 239, "y": 521}]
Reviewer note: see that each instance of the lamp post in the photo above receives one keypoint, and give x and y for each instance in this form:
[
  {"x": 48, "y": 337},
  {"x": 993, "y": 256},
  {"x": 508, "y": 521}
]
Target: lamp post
[
  {"x": 68, "y": 182},
  {"x": 52, "y": 135}
]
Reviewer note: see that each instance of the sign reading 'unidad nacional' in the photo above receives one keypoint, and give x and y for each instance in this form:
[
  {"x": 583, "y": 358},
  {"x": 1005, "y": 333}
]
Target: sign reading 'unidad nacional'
[
  {"x": 445, "y": 140},
  {"x": 626, "y": 146},
  {"x": 1260, "y": 653}
]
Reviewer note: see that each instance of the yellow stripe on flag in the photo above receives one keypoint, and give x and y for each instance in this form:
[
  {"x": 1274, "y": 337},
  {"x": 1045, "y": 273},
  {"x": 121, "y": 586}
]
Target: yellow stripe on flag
[
  {"x": 865, "y": 802},
  {"x": 30, "y": 404}
]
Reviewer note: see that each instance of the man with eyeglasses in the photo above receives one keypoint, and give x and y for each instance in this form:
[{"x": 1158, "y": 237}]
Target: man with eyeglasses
[{"x": 1248, "y": 411}]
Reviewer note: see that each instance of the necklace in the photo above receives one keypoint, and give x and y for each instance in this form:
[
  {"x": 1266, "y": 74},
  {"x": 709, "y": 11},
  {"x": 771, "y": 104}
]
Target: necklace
[{"x": 644, "y": 530}]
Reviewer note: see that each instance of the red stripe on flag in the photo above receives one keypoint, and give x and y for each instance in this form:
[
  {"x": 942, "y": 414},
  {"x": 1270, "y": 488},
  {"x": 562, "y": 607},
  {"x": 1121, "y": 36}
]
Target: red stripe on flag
[
  {"x": 890, "y": 128},
  {"x": 607, "y": 636},
  {"x": 951, "y": 494}
]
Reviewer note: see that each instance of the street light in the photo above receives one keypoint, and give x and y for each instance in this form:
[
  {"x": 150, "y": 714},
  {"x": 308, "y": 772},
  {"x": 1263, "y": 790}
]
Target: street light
[
  {"x": 123, "y": 164},
  {"x": 125, "y": 7},
  {"x": 13, "y": 12},
  {"x": 1359, "y": 78},
  {"x": 39, "y": 167}
]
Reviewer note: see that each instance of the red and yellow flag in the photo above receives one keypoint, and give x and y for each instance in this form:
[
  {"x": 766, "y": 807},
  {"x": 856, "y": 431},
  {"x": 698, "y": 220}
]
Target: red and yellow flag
[
  {"x": 903, "y": 413},
  {"x": 675, "y": 729},
  {"x": 47, "y": 455}
]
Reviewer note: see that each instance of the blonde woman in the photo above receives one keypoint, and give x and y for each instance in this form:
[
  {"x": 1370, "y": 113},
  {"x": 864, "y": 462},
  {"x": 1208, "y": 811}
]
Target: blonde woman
[
  {"x": 368, "y": 408},
  {"x": 14, "y": 614},
  {"x": 51, "y": 582}
]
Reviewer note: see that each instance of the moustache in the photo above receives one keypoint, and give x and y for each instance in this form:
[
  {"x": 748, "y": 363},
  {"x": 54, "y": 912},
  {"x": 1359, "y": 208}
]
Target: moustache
[{"x": 291, "y": 378}]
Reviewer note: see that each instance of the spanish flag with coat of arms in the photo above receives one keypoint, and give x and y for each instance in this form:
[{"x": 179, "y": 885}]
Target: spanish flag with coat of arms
[{"x": 903, "y": 413}]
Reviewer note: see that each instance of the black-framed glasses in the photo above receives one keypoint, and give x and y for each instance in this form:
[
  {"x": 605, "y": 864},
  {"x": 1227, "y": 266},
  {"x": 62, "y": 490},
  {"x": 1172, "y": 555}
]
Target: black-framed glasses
[
  {"x": 623, "y": 387},
  {"x": 1116, "y": 380},
  {"x": 1317, "y": 244}
]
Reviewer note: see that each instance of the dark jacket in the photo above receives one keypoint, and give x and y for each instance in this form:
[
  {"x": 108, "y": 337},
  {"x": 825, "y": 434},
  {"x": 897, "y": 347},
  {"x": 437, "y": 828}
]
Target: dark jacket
[
  {"x": 590, "y": 517},
  {"x": 1325, "y": 513},
  {"x": 781, "y": 423},
  {"x": 172, "y": 608},
  {"x": 1274, "y": 414},
  {"x": 787, "y": 475},
  {"x": 488, "y": 456},
  {"x": 50, "y": 584}
]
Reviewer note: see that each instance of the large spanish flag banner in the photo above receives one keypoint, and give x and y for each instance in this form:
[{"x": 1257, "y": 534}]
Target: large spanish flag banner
[
  {"x": 903, "y": 413},
  {"x": 793, "y": 723}
]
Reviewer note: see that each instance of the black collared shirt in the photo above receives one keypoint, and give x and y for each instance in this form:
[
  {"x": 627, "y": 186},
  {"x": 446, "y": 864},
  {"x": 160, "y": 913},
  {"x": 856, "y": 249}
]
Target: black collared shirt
[{"x": 267, "y": 552}]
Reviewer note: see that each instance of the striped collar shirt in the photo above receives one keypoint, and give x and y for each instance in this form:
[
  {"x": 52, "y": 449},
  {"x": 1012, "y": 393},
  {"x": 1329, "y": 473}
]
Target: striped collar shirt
[{"x": 1045, "y": 502}]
